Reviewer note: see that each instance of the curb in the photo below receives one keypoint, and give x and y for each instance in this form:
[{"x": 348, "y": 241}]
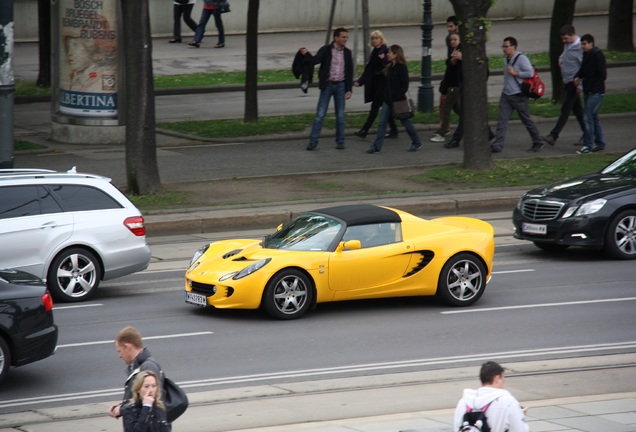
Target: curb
[{"x": 198, "y": 221}]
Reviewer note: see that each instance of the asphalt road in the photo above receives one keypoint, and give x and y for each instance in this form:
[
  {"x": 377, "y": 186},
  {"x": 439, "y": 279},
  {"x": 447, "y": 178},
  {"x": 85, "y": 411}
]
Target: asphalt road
[{"x": 534, "y": 308}]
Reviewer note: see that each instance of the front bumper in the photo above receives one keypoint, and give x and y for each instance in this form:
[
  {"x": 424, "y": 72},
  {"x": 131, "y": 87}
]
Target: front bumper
[{"x": 586, "y": 231}]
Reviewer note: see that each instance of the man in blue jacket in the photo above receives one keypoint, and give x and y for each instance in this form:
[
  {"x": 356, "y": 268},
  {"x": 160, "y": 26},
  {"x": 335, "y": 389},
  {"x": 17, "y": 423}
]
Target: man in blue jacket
[{"x": 335, "y": 79}]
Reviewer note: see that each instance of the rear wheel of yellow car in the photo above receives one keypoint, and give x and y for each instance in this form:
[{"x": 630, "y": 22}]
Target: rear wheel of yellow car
[
  {"x": 288, "y": 295},
  {"x": 462, "y": 280}
]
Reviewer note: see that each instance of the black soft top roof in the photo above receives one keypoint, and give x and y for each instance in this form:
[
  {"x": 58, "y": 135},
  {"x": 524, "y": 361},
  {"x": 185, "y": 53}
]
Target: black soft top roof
[{"x": 360, "y": 214}]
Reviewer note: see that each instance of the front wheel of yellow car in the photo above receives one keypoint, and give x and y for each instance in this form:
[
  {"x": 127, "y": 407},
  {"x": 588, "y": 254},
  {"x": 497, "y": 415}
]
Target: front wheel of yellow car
[
  {"x": 462, "y": 280},
  {"x": 288, "y": 295}
]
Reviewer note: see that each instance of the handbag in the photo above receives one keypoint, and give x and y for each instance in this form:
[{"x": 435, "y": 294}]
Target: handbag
[
  {"x": 404, "y": 109},
  {"x": 174, "y": 398},
  {"x": 223, "y": 6}
]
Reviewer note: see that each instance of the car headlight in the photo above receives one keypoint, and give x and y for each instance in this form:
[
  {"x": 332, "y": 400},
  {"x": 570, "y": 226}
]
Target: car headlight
[
  {"x": 247, "y": 270},
  {"x": 587, "y": 208},
  {"x": 198, "y": 254}
]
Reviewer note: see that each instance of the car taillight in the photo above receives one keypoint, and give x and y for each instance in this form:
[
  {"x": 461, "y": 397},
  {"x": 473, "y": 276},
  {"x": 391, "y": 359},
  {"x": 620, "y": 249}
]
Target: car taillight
[
  {"x": 47, "y": 301},
  {"x": 136, "y": 225}
]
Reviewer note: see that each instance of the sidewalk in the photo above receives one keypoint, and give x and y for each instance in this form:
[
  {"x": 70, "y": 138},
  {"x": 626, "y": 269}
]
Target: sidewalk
[{"x": 557, "y": 392}]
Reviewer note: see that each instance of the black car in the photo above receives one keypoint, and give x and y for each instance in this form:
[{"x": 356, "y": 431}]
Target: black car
[
  {"x": 27, "y": 330},
  {"x": 595, "y": 210}
]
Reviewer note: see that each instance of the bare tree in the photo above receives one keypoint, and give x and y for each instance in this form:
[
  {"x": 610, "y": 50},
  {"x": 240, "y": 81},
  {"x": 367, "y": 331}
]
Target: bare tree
[
  {"x": 472, "y": 29},
  {"x": 44, "y": 43},
  {"x": 620, "y": 35},
  {"x": 251, "y": 63},
  {"x": 142, "y": 171},
  {"x": 562, "y": 13}
]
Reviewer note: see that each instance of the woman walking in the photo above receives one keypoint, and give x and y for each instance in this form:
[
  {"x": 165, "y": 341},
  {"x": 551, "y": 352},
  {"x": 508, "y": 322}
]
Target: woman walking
[
  {"x": 145, "y": 412},
  {"x": 374, "y": 80},
  {"x": 397, "y": 85}
]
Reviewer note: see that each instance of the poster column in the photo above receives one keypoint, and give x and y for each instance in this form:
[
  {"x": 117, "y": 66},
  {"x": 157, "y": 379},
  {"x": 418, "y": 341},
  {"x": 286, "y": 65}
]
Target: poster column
[{"x": 86, "y": 64}]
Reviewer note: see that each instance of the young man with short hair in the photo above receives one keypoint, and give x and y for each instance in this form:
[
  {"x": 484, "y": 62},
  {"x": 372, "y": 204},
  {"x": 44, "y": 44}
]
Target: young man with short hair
[
  {"x": 335, "y": 80},
  {"x": 503, "y": 412},
  {"x": 516, "y": 67},
  {"x": 593, "y": 73}
]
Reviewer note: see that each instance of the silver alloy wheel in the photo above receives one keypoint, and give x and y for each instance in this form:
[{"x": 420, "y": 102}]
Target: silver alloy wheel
[
  {"x": 5, "y": 359},
  {"x": 462, "y": 280},
  {"x": 622, "y": 243},
  {"x": 74, "y": 275},
  {"x": 288, "y": 295}
]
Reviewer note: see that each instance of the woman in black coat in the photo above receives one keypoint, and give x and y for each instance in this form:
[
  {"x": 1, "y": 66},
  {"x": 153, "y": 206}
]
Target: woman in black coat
[
  {"x": 145, "y": 412},
  {"x": 374, "y": 80},
  {"x": 397, "y": 85}
]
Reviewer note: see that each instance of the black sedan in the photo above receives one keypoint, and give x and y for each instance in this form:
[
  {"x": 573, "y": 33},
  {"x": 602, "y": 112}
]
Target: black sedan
[
  {"x": 27, "y": 330},
  {"x": 595, "y": 210}
]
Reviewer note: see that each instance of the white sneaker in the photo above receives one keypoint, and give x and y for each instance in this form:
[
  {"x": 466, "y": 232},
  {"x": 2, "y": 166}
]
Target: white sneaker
[{"x": 438, "y": 138}]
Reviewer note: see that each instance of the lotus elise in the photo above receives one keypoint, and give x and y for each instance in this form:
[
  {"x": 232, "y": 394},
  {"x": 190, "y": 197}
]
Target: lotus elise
[{"x": 340, "y": 253}]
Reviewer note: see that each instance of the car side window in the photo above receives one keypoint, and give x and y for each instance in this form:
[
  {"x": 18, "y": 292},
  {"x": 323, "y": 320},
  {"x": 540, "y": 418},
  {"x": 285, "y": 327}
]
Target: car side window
[
  {"x": 48, "y": 204},
  {"x": 374, "y": 234},
  {"x": 83, "y": 198},
  {"x": 17, "y": 201}
]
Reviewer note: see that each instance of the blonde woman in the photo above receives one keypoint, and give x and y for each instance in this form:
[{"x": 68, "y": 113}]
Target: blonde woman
[
  {"x": 374, "y": 80},
  {"x": 145, "y": 412}
]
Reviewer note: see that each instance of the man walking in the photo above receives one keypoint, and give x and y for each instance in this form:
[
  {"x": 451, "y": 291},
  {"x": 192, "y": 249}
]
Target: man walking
[
  {"x": 570, "y": 63},
  {"x": 335, "y": 80},
  {"x": 502, "y": 411},
  {"x": 593, "y": 73},
  {"x": 516, "y": 67},
  {"x": 131, "y": 350}
]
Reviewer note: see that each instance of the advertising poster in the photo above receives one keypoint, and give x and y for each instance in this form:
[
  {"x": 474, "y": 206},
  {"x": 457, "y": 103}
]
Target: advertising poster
[{"x": 88, "y": 58}]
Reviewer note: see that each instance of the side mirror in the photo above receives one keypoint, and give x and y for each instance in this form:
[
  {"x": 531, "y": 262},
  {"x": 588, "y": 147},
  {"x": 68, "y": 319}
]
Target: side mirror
[{"x": 351, "y": 244}]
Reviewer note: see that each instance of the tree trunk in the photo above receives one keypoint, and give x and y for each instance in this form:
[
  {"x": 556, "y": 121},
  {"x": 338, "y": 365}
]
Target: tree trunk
[
  {"x": 44, "y": 43},
  {"x": 251, "y": 63},
  {"x": 562, "y": 13},
  {"x": 142, "y": 171},
  {"x": 620, "y": 35},
  {"x": 472, "y": 30}
]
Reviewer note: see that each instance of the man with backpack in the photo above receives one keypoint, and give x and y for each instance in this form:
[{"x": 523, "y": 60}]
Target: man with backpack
[
  {"x": 517, "y": 67},
  {"x": 490, "y": 408}
]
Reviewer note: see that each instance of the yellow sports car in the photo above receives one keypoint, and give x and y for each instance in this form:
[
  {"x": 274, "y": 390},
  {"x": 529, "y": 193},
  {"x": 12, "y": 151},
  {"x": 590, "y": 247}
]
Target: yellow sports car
[{"x": 345, "y": 253}]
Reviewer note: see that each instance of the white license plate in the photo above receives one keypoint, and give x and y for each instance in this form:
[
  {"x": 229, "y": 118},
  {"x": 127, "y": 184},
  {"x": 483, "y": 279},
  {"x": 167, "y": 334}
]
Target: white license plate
[
  {"x": 530, "y": 228},
  {"x": 196, "y": 299}
]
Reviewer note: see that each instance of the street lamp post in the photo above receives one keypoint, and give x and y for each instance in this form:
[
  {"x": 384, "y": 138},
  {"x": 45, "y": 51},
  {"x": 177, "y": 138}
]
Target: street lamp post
[{"x": 425, "y": 91}]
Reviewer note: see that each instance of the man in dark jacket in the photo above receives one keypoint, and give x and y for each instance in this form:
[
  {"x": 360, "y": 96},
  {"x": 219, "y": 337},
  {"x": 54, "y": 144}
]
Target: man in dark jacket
[
  {"x": 131, "y": 350},
  {"x": 335, "y": 79},
  {"x": 593, "y": 73}
]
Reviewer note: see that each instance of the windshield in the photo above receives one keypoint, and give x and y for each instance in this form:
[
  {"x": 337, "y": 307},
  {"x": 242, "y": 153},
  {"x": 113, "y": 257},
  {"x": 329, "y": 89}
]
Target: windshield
[
  {"x": 625, "y": 166},
  {"x": 305, "y": 233}
]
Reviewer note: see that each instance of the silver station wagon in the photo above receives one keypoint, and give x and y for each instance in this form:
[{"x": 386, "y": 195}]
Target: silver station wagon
[{"x": 71, "y": 229}]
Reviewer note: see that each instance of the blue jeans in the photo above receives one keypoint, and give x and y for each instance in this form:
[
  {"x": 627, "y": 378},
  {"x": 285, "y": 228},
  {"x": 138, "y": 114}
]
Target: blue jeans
[
  {"x": 205, "y": 17},
  {"x": 593, "y": 132},
  {"x": 337, "y": 90},
  {"x": 385, "y": 116}
]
